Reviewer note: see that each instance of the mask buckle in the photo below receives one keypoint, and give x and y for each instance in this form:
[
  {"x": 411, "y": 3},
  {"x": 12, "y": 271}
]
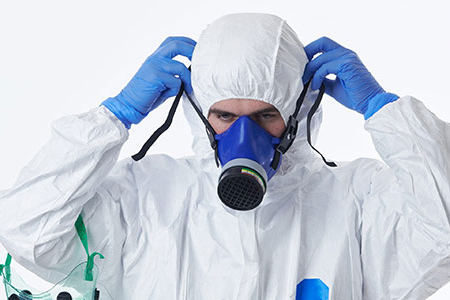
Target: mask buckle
[
  {"x": 213, "y": 143},
  {"x": 288, "y": 136}
]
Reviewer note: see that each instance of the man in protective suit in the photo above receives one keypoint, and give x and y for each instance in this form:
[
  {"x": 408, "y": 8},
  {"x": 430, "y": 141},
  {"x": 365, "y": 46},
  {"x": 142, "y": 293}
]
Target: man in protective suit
[{"x": 364, "y": 229}]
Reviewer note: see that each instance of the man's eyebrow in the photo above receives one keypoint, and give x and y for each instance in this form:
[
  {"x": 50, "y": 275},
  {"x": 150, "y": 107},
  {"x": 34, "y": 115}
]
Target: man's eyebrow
[
  {"x": 221, "y": 112},
  {"x": 258, "y": 112},
  {"x": 265, "y": 111}
]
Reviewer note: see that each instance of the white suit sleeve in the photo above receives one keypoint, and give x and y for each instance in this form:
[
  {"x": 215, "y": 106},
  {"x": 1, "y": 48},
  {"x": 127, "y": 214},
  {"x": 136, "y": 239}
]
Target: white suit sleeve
[
  {"x": 66, "y": 176},
  {"x": 405, "y": 233}
]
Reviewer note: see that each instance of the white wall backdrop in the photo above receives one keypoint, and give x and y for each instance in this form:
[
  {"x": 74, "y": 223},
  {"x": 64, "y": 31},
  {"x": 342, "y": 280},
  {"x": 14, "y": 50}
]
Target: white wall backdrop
[{"x": 63, "y": 57}]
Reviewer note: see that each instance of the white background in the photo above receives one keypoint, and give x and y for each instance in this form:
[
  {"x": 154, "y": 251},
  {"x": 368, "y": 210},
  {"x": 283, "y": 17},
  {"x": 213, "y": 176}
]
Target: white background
[{"x": 65, "y": 57}]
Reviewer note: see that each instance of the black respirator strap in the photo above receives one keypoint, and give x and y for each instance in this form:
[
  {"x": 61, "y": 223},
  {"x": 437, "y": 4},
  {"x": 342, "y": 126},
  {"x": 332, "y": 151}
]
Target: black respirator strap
[
  {"x": 161, "y": 129},
  {"x": 300, "y": 99},
  {"x": 289, "y": 134},
  {"x": 209, "y": 129},
  {"x": 287, "y": 138},
  {"x": 308, "y": 125}
]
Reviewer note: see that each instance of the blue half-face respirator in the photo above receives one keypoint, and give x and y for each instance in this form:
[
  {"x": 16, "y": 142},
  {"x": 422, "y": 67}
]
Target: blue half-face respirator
[
  {"x": 248, "y": 154},
  {"x": 245, "y": 151}
]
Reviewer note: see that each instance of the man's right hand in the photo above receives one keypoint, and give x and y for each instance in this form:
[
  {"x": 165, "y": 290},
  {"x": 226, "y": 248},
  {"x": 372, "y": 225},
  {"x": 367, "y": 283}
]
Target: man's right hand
[{"x": 158, "y": 78}]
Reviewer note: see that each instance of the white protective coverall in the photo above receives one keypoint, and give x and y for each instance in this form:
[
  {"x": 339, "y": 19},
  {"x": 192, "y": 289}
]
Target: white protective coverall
[{"x": 363, "y": 230}]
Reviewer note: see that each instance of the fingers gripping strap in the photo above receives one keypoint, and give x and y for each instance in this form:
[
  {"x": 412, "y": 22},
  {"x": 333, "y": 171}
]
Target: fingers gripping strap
[
  {"x": 287, "y": 138},
  {"x": 82, "y": 233},
  {"x": 209, "y": 129}
]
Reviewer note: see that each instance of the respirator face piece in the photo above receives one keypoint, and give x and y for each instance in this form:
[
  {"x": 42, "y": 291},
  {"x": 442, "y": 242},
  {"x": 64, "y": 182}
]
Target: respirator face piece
[{"x": 245, "y": 151}]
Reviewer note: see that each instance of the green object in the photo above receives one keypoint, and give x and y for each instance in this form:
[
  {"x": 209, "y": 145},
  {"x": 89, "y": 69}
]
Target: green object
[
  {"x": 82, "y": 233},
  {"x": 80, "y": 284}
]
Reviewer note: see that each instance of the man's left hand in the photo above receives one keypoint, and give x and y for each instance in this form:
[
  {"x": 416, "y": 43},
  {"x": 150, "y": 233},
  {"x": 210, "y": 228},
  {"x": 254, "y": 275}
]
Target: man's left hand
[{"x": 354, "y": 86}]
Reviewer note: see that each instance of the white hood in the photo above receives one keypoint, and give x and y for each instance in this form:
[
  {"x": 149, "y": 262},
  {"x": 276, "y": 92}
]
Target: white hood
[{"x": 250, "y": 56}]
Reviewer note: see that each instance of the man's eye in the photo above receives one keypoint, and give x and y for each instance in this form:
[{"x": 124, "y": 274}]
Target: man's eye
[
  {"x": 225, "y": 117},
  {"x": 266, "y": 117}
]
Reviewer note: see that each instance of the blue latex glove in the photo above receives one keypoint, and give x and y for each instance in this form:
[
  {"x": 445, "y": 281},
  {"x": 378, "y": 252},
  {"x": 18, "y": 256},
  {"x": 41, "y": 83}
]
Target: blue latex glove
[
  {"x": 354, "y": 86},
  {"x": 158, "y": 78}
]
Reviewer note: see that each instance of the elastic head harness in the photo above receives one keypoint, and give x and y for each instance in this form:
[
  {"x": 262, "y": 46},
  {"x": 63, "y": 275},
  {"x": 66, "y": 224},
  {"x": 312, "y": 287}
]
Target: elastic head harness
[{"x": 287, "y": 138}]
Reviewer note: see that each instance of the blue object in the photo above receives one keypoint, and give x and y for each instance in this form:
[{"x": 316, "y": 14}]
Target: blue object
[
  {"x": 354, "y": 86},
  {"x": 377, "y": 102},
  {"x": 246, "y": 139},
  {"x": 158, "y": 78},
  {"x": 312, "y": 289},
  {"x": 245, "y": 151}
]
